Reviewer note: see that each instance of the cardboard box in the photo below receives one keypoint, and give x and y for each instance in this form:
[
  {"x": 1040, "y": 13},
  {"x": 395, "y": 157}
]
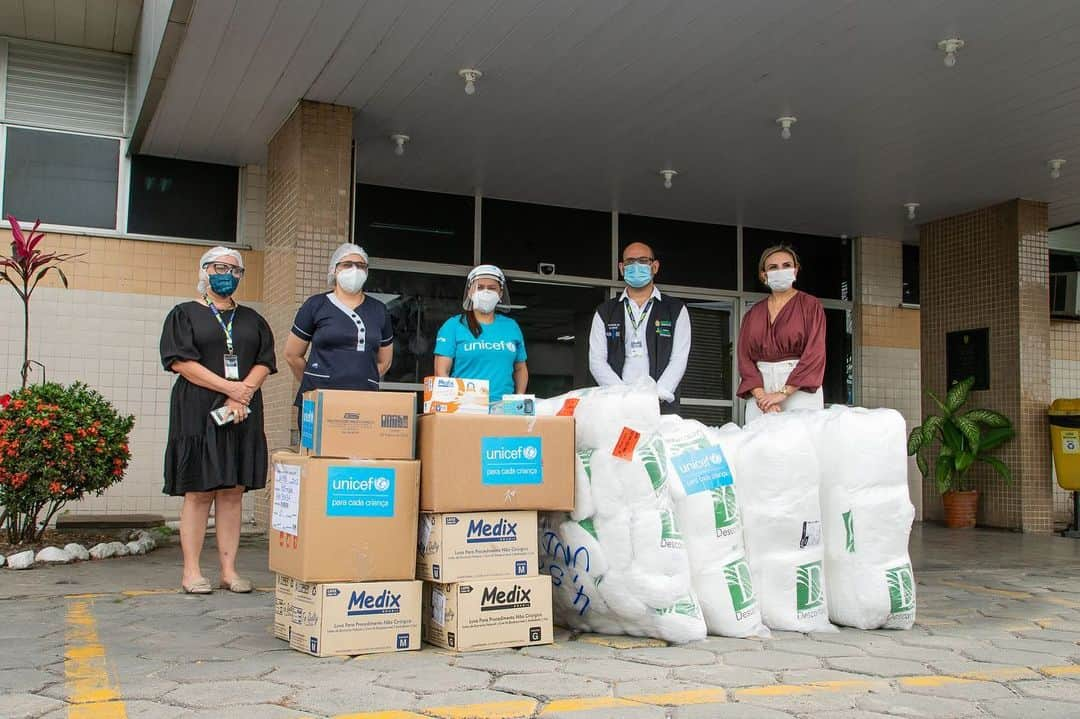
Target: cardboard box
[
  {"x": 343, "y": 520},
  {"x": 523, "y": 405},
  {"x": 511, "y": 612},
  {"x": 476, "y": 464},
  {"x": 283, "y": 603},
  {"x": 350, "y": 618},
  {"x": 366, "y": 425},
  {"x": 453, "y": 395},
  {"x": 477, "y": 545}
]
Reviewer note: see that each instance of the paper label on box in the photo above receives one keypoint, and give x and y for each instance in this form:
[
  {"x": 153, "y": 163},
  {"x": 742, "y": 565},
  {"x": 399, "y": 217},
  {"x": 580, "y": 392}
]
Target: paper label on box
[
  {"x": 511, "y": 460},
  {"x": 427, "y": 526},
  {"x": 307, "y": 424},
  {"x": 624, "y": 448},
  {"x": 360, "y": 491},
  {"x": 438, "y": 607},
  {"x": 702, "y": 470},
  {"x": 286, "y": 514}
]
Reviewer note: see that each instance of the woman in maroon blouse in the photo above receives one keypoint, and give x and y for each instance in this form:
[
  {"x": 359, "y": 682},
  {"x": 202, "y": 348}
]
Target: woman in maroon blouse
[{"x": 782, "y": 342}]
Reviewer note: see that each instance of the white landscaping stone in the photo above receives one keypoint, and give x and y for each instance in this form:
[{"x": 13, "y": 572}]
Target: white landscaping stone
[
  {"x": 22, "y": 560},
  {"x": 103, "y": 551},
  {"x": 1, "y": 560},
  {"x": 148, "y": 539},
  {"x": 136, "y": 548},
  {"x": 147, "y": 545},
  {"x": 77, "y": 551},
  {"x": 119, "y": 549},
  {"x": 54, "y": 555}
]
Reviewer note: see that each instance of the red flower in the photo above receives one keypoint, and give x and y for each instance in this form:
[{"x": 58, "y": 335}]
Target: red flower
[
  {"x": 5, "y": 400},
  {"x": 55, "y": 487},
  {"x": 68, "y": 437},
  {"x": 18, "y": 404},
  {"x": 118, "y": 472}
]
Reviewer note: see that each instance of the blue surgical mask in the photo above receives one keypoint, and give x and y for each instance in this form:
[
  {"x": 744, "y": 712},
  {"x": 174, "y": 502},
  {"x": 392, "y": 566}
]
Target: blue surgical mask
[
  {"x": 637, "y": 275},
  {"x": 223, "y": 285}
]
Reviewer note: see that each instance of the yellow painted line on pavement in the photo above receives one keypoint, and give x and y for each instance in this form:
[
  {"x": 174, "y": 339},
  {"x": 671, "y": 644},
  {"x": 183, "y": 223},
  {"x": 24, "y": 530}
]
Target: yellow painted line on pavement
[
  {"x": 1001, "y": 674},
  {"x": 393, "y": 714},
  {"x": 1067, "y": 670},
  {"x": 489, "y": 710},
  {"x": 581, "y": 704},
  {"x": 978, "y": 589},
  {"x": 91, "y": 690},
  {"x": 622, "y": 642},
  {"x": 681, "y": 698},
  {"x": 1062, "y": 602},
  {"x": 933, "y": 681}
]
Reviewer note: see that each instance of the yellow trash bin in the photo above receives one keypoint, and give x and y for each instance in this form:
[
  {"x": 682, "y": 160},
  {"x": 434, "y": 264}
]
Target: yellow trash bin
[{"x": 1065, "y": 441}]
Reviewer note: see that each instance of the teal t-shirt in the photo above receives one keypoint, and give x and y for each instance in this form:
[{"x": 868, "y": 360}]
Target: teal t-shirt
[{"x": 490, "y": 356}]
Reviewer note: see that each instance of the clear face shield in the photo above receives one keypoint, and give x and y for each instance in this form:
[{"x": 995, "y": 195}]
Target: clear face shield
[{"x": 485, "y": 283}]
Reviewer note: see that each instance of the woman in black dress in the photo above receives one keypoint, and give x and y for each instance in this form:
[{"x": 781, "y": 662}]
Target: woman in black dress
[{"x": 223, "y": 353}]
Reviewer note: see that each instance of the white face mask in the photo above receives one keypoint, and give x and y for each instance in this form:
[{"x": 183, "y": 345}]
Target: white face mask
[
  {"x": 351, "y": 280},
  {"x": 485, "y": 300},
  {"x": 780, "y": 280}
]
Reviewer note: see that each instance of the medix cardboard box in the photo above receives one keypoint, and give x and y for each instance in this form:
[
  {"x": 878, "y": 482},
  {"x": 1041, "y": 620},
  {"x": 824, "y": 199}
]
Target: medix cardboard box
[
  {"x": 456, "y": 395},
  {"x": 343, "y": 520},
  {"x": 477, "y": 545},
  {"x": 283, "y": 602},
  {"x": 475, "y": 464},
  {"x": 368, "y": 425},
  {"x": 351, "y": 618},
  {"x": 509, "y": 612}
]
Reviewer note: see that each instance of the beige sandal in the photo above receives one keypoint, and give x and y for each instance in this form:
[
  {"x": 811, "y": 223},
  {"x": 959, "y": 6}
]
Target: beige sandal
[
  {"x": 200, "y": 586},
  {"x": 239, "y": 585}
]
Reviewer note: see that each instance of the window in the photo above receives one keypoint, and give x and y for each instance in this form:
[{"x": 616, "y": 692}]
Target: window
[
  {"x": 691, "y": 254},
  {"x": 826, "y": 262},
  {"x": 61, "y": 179},
  {"x": 177, "y": 198},
  {"x": 413, "y": 225},
  {"x": 1064, "y": 261},
  {"x": 522, "y": 236},
  {"x": 838, "y": 387},
  {"x": 911, "y": 275}
]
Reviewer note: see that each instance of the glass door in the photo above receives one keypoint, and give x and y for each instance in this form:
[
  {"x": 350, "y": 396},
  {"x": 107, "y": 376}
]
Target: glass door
[{"x": 708, "y": 385}]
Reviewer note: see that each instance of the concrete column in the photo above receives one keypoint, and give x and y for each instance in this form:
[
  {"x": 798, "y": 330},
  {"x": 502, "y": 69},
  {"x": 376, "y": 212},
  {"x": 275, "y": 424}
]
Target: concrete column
[
  {"x": 989, "y": 268},
  {"x": 308, "y": 183}
]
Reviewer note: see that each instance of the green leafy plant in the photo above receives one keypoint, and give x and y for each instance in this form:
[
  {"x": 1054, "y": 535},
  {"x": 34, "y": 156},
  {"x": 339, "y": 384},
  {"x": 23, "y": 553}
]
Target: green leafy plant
[
  {"x": 57, "y": 444},
  {"x": 965, "y": 438}
]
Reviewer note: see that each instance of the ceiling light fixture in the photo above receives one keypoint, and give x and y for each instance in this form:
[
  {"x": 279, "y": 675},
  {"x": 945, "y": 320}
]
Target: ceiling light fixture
[
  {"x": 1055, "y": 168},
  {"x": 785, "y": 124},
  {"x": 950, "y": 47},
  {"x": 667, "y": 175},
  {"x": 911, "y": 207},
  {"x": 471, "y": 76},
  {"x": 399, "y": 143}
]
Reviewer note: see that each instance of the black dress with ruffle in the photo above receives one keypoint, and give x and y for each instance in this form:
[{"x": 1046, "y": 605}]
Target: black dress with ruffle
[{"x": 201, "y": 456}]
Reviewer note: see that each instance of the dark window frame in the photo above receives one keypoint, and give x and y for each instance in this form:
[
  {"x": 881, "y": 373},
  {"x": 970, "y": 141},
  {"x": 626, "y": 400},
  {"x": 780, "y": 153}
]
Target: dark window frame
[{"x": 226, "y": 228}]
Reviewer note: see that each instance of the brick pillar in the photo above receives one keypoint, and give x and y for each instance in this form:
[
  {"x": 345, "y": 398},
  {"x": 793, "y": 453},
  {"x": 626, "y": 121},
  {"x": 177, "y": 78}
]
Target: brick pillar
[
  {"x": 887, "y": 336},
  {"x": 989, "y": 268},
  {"x": 308, "y": 183}
]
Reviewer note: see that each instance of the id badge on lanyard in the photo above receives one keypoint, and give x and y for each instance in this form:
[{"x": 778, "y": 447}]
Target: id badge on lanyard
[
  {"x": 232, "y": 362},
  {"x": 637, "y": 345}
]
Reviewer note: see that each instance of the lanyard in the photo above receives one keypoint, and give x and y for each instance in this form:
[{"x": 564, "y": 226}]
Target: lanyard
[
  {"x": 227, "y": 328},
  {"x": 641, "y": 317}
]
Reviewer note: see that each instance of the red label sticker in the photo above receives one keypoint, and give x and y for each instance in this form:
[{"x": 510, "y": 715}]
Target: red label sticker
[
  {"x": 568, "y": 407},
  {"x": 624, "y": 448}
]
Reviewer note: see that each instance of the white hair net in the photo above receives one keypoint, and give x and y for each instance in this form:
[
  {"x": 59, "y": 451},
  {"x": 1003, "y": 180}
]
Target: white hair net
[
  {"x": 213, "y": 255},
  {"x": 485, "y": 271},
  {"x": 344, "y": 250}
]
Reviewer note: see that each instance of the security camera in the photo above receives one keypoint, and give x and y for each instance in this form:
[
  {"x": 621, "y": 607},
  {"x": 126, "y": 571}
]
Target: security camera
[{"x": 545, "y": 268}]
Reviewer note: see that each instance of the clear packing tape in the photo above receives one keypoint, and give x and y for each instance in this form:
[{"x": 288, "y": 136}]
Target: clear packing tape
[{"x": 682, "y": 530}]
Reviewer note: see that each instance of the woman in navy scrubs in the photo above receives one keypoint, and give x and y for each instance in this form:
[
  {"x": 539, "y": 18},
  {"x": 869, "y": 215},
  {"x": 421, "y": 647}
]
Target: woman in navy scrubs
[{"x": 350, "y": 335}]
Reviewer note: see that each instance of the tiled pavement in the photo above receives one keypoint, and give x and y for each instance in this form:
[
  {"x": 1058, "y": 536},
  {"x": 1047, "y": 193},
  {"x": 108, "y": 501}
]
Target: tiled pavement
[{"x": 998, "y": 635}]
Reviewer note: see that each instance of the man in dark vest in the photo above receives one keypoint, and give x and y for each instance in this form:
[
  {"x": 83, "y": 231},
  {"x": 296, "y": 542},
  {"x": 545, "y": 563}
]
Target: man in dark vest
[{"x": 642, "y": 333}]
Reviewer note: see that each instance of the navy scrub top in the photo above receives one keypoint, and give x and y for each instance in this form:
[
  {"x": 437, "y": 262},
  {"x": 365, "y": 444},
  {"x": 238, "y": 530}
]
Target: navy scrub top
[{"x": 345, "y": 342}]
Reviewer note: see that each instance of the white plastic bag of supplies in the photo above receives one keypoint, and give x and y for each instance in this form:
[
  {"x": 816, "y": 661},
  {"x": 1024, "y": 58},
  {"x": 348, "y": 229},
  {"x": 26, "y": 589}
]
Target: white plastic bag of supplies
[{"x": 604, "y": 413}]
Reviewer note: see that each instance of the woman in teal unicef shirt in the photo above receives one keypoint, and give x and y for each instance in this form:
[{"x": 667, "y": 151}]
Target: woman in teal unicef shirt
[{"x": 479, "y": 344}]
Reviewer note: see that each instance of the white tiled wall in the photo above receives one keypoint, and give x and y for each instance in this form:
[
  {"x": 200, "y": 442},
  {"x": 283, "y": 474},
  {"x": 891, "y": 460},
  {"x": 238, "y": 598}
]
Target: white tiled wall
[{"x": 110, "y": 342}]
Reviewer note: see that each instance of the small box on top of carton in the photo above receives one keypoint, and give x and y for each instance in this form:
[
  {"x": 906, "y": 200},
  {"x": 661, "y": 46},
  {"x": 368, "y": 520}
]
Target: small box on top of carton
[
  {"x": 515, "y": 404},
  {"x": 343, "y": 520},
  {"x": 455, "y": 395},
  {"x": 349, "y": 618},
  {"x": 477, "y": 545},
  {"x": 367, "y": 425}
]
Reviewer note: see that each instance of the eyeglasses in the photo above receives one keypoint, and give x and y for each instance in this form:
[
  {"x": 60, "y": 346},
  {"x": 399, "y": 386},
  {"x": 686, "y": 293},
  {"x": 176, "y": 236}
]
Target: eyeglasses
[
  {"x": 639, "y": 260},
  {"x": 221, "y": 268},
  {"x": 351, "y": 265}
]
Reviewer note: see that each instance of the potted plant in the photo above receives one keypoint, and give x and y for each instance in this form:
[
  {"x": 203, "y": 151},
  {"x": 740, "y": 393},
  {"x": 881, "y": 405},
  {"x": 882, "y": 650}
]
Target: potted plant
[{"x": 965, "y": 438}]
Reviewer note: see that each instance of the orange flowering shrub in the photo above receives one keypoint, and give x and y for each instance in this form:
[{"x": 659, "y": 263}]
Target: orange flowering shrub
[{"x": 57, "y": 444}]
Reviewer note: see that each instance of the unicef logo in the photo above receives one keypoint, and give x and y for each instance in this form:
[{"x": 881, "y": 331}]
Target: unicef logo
[
  {"x": 529, "y": 452},
  {"x": 512, "y": 346},
  {"x": 382, "y": 484},
  {"x": 716, "y": 458}
]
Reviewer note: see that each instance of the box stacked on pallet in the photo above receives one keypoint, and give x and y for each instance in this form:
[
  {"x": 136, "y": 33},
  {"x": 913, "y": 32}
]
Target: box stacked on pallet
[
  {"x": 483, "y": 478},
  {"x": 344, "y": 524}
]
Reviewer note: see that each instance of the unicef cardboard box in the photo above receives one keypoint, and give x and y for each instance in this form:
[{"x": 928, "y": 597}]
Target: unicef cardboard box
[
  {"x": 351, "y": 618},
  {"x": 477, "y": 545},
  {"x": 480, "y": 463},
  {"x": 367, "y": 425},
  {"x": 343, "y": 520},
  {"x": 471, "y": 616}
]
